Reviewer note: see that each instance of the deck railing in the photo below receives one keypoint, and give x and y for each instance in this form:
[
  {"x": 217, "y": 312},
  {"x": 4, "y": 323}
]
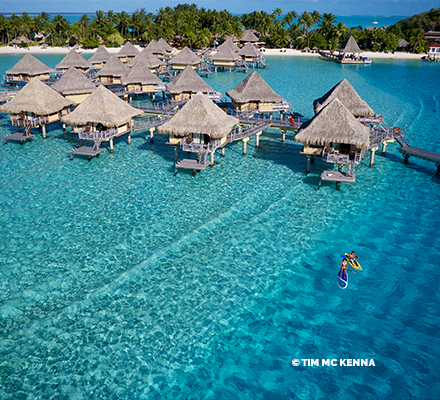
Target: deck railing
[
  {"x": 85, "y": 134},
  {"x": 30, "y": 122},
  {"x": 334, "y": 157},
  {"x": 186, "y": 144}
]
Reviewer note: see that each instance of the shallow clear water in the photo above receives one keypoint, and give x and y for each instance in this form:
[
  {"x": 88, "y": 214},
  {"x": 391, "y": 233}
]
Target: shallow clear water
[{"x": 120, "y": 280}]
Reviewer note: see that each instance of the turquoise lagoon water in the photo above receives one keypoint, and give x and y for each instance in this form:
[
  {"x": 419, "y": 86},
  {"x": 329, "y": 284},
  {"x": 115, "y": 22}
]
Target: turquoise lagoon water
[{"x": 121, "y": 280}]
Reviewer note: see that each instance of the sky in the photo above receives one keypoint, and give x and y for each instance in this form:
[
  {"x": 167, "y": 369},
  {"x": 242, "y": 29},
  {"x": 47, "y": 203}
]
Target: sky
[{"x": 337, "y": 7}]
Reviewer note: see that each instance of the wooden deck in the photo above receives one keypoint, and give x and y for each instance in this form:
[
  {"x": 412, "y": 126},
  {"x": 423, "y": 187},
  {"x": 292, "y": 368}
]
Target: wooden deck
[
  {"x": 86, "y": 151},
  {"x": 18, "y": 137},
  {"x": 336, "y": 176},
  {"x": 195, "y": 165}
]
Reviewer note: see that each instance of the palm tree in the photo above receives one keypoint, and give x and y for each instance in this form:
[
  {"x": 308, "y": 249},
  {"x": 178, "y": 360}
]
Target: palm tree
[
  {"x": 327, "y": 24},
  {"x": 123, "y": 21},
  {"x": 417, "y": 41},
  {"x": 288, "y": 18},
  {"x": 264, "y": 23},
  {"x": 305, "y": 21},
  {"x": 84, "y": 22},
  {"x": 316, "y": 16}
]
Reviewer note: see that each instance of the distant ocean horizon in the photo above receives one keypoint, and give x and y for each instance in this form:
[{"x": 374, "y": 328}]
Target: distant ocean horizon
[{"x": 350, "y": 21}]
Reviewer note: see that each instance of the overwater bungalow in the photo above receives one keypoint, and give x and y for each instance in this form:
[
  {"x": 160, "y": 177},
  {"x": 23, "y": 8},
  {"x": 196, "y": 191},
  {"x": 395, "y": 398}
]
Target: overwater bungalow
[
  {"x": 248, "y": 37},
  {"x": 112, "y": 72},
  {"x": 199, "y": 127},
  {"x": 103, "y": 116},
  {"x": 127, "y": 52},
  {"x": 28, "y": 67},
  {"x": 250, "y": 54},
  {"x": 149, "y": 59},
  {"x": 74, "y": 85},
  {"x": 184, "y": 58},
  {"x": 101, "y": 56},
  {"x": 73, "y": 59},
  {"x": 225, "y": 57},
  {"x": 156, "y": 49},
  {"x": 254, "y": 94},
  {"x": 36, "y": 104},
  {"x": 336, "y": 135},
  {"x": 349, "y": 53},
  {"x": 187, "y": 84},
  {"x": 141, "y": 80}
]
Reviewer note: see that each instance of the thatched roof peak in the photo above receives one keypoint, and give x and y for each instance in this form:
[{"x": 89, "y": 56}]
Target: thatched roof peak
[
  {"x": 253, "y": 88},
  {"x": 73, "y": 59},
  {"x": 334, "y": 124},
  {"x": 113, "y": 67},
  {"x": 249, "y": 50},
  {"x": 155, "y": 48},
  {"x": 350, "y": 46},
  {"x": 188, "y": 81},
  {"x": 36, "y": 97},
  {"x": 101, "y": 56},
  {"x": 348, "y": 96},
  {"x": 29, "y": 65},
  {"x": 200, "y": 115},
  {"x": 140, "y": 73},
  {"x": 102, "y": 106},
  {"x": 228, "y": 43},
  {"x": 248, "y": 36},
  {"x": 73, "y": 82},
  {"x": 164, "y": 45},
  {"x": 149, "y": 58},
  {"x": 127, "y": 50},
  {"x": 185, "y": 57}
]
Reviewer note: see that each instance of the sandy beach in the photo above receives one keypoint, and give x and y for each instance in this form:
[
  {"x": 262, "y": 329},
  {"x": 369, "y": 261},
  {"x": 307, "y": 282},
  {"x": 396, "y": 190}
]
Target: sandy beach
[{"x": 268, "y": 52}]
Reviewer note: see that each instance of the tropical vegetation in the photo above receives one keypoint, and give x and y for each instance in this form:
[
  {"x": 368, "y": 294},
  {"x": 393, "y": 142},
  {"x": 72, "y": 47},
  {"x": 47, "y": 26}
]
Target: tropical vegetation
[{"x": 188, "y": 25}]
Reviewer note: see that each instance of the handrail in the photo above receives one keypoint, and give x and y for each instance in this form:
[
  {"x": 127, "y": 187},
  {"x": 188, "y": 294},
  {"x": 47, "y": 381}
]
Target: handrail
[
  {"x": 17, "y": 121},
  {"x": 95, "y": 135}
]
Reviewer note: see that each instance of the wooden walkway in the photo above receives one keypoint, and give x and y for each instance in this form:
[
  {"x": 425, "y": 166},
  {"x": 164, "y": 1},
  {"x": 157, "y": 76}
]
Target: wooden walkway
[
  {"x": 19, "y": 137},
  {"x": 408, "y": 151}
]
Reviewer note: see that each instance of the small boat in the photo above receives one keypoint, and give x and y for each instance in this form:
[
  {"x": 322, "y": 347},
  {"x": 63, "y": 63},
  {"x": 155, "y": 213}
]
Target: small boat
[{"x": 342, "y": 279}]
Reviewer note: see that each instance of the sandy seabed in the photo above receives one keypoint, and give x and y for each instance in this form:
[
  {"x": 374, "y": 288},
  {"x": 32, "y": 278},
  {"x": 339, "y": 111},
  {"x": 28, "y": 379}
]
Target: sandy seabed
[{"x": 268, "y": 52}]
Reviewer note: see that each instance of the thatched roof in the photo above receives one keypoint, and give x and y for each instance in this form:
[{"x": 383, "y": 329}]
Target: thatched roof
[
  {"x": 164, "y": 45},
  {"x": 185, "y": 57},
  {"x": 249, "y": 36},
  {"x": 21, "y": 40},
  {"x": 228, "y": 43},
  {"x": 403, "y": 43},
  {"x": 73, "y": 82},
  {"x": 113, "y": 67},
  {"x": 200, "y": 115},
  {"x": 127, "y": 50},
  {"x": 4, "y": 97},
  {"x": 334, "y": 123},
  {"x": 140, "y": 73},
  {"x": 253, "y": 88},
  {"x": 102, "y": 106},
  {"x": 155, "y": 48},
  {"x": 149, "y": 58},
  {"x": 249, "y": 50},
  {"x": 29, "y": 65},
  {"x": 348, "y": 96},
  {"x": 36, "y": 97},
  {"x": 350, "y": 46},
  {"x": 101, "y": 56},
  {"x": 224, "y": 54},
  {"x": 73, "y": 59},
  {"x": 188, "y": 81}
]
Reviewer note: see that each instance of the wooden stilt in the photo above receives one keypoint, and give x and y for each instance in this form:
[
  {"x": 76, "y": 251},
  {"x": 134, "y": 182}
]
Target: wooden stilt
[
  {"x": 223, "y": 151},
  {"x": 338, "y": 185},
  {"x": 312, "y": 160},
  {"x": 64, "y": 127},
  {"x": 175, "y": 154},
  {"x": 245, "y": 140},
  {"x": 257, "y": 140},
  {"x": 43, "y": 128},
  {"x": 111, "y": 146},
  {"x": 406, "y": 158},
  {"x": 212, "y": 158},
  {"x": 129, "y": 139},
  {"x": 152, "y": 135},
  {"x": 384, "y": 147},
  {"x": 373, "y": 151},
  {"x": 308, "y": 165},
  {"x": 284, "y": 134}
]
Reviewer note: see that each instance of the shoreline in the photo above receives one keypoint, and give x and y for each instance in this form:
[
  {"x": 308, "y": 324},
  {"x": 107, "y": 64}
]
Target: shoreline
[{"x": 269, "y": 52}]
